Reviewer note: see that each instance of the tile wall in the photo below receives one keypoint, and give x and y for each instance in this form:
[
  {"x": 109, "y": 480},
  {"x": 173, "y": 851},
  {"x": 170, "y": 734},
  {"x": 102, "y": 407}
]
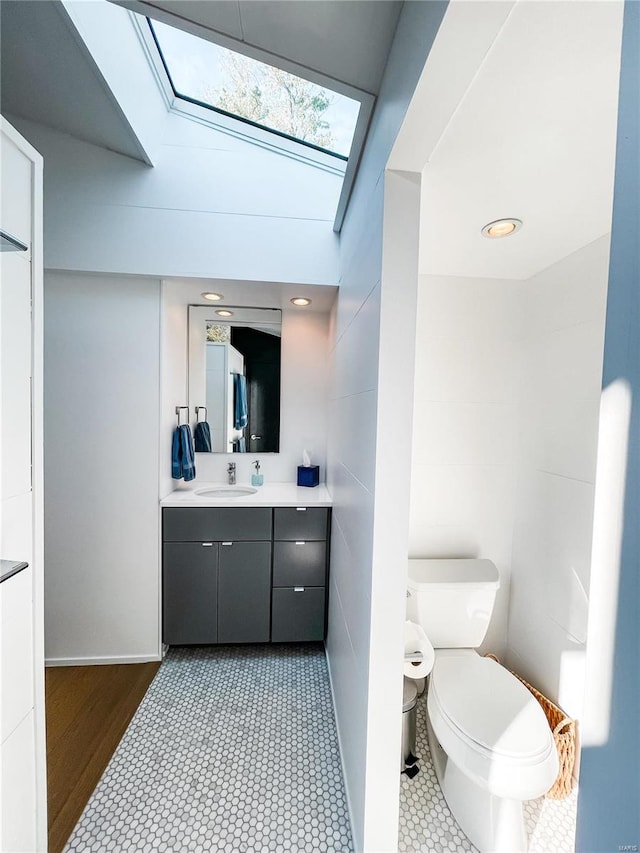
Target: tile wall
[
  {"x": 464, "y": 430},
  {"x": 560, "y": 385}
]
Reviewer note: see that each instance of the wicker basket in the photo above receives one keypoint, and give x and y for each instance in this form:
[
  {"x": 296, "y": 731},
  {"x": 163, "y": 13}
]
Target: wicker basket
[{"x": 564, "y": 735}]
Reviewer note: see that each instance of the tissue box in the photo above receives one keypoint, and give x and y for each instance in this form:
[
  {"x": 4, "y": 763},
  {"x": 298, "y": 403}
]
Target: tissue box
[{"x": 308, "y": 475}]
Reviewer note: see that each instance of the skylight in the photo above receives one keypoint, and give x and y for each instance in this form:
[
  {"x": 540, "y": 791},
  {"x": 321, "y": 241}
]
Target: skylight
[{"x": 264, "y": 96}]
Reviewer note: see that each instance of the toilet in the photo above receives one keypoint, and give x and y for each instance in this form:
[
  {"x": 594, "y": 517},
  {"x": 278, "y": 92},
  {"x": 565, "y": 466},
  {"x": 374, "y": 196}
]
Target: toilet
[{"x": 491, "y": 745}]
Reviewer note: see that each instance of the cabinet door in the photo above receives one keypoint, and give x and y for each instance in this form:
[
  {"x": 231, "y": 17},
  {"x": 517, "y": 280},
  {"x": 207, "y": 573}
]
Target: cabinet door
[
  {"x": 244, "y": 592},
  {"x": 190, "y": 593},
  {"x": 298, "y": 614}
]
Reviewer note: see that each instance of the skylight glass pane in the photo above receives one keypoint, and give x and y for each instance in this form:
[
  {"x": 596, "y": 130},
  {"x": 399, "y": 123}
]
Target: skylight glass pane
[{"x": 267, "y": 96}]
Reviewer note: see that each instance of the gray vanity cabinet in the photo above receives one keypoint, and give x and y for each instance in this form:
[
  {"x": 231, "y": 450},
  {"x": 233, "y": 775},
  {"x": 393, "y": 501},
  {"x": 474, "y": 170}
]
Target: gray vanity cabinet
[
  {"x": 244, "y": 575},
  {"x": 300, "y": 571}
]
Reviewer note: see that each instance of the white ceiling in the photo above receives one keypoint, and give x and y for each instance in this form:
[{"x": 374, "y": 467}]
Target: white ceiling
[
  {"x": 259, "y": 294},
  {"x": 49, "y": 77},
  {"x": 527, "y": 129},
  {"x": 344, "y": 40}
]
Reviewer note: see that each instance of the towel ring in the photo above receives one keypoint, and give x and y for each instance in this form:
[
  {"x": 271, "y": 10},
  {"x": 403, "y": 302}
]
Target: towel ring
[
  {"x": 180, "y": 409},
  {"x": 201, "y": 408}
]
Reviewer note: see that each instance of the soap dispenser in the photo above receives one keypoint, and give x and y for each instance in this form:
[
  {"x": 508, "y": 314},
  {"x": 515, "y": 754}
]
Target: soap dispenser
[{"x": 257, "y": 479}]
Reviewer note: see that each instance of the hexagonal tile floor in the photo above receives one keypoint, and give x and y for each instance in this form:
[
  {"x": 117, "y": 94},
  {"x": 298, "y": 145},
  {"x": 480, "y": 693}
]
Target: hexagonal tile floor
[
  {"x": 234, "y": 748},
  {"x": 426, "y": 824}
]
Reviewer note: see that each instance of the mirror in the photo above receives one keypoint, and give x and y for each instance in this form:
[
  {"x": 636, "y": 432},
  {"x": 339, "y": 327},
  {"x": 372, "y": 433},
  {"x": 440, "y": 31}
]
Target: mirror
[{"x": 234, "y": 377}]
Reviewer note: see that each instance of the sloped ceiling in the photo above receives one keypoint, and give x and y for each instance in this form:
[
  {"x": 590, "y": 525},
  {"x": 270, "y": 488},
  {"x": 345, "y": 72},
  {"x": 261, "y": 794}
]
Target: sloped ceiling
[
  {"x": 524, "y": 128},
  {"x": 48, "y": 76},
  {"x": 341, "y": 39}
]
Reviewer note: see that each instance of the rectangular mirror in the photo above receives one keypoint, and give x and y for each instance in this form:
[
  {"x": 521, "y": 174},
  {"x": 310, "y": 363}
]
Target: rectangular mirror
[{"x": 234, "y": 377}]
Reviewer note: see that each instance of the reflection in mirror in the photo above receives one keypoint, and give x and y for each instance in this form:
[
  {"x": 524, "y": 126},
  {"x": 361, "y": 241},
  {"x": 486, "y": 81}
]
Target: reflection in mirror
[{"x": 234, "y": 378}]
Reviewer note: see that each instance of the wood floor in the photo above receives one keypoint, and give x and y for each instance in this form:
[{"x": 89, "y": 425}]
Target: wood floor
[{"x": 88, "y": 711}]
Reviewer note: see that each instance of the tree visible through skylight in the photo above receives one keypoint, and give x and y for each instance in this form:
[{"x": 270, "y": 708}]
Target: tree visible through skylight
[{"x": 267, "y": 96}]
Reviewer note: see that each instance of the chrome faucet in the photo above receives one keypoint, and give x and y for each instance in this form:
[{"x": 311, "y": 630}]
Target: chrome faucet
[{"x": 231, "y": 471}]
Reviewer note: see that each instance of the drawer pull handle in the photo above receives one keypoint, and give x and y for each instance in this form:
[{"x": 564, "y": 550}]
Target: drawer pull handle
[
  {"x": 298, "y": 589},
  {"x": 301, "y": 543},
  {"x": 301, "y": 509},
  {"x": 207, "y": 544},
  {"x": 227, "y": 543}
]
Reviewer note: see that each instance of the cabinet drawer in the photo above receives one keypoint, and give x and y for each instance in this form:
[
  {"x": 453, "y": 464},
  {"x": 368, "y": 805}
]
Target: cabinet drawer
[
  {"x": 300, "y": 523},
  {"x": 299, "y": 563},
  {"x": 297, "y": 614},
  {"x": 200, "y": 524}
]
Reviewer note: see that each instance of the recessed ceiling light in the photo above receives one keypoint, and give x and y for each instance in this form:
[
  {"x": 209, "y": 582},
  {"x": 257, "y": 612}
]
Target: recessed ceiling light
[
  {"x": 501, "y": 228},
  {"x": 213, "y": 297},
  {"x": 300, "y": 300},
  {"x": 224, "y": 313}
]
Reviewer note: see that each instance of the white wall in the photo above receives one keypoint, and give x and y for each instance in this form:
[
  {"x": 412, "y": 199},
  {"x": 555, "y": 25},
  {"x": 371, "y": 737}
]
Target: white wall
[
  {"x": 212, "y": 206},
  {"x": 399, "y": 288},
  {"x": 369, "y": 747},
  {"x": 108, "y": 457},
  {"x": 351, "y": 479},
  {"x": 468, "y": 351},
  {"x": 304, "y": 384},
  {"x": 507, "y": 396},
  {"x": 564, "y": 311},
  {"x": 102, "y": 354}
]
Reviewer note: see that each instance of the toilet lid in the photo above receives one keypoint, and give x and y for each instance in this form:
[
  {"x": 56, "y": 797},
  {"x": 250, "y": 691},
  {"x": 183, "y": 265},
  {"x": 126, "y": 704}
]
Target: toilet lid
[{"x": 489, "y": 706}]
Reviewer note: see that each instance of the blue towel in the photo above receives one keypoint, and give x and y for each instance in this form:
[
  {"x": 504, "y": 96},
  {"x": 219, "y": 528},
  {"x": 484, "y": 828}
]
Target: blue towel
[
  {"x": 186, "y": 451},
  {"x": 182, "y": 458},
  {"x": 239, "y": 401},
  {"x": 202, "y": 437},
  {"x": 240, "y": 446},
  {"x": 176, "y": 456}
]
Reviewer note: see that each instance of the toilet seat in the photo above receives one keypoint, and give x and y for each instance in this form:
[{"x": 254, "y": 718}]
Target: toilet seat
[
  {"x": 491, "y": 725},
  {"x": 490, "y": 707}
]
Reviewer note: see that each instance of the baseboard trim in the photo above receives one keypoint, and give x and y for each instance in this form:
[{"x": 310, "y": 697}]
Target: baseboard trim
[
  {"x": 97, "y": 661},
  {"x": 335, "y": 717}
]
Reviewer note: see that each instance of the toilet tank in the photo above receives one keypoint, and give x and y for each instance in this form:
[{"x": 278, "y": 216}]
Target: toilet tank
[{"x": 452, "y": 600}]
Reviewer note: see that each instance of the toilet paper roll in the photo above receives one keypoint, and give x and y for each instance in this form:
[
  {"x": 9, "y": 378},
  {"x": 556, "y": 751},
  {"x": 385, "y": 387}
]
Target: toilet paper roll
[{"x": 415, "y": 640}]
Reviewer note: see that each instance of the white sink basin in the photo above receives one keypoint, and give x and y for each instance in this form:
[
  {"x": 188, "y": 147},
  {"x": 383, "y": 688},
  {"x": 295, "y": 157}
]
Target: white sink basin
[{"x": 226, "y": 492}]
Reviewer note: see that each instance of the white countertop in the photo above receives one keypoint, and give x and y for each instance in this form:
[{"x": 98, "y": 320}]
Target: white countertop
[{"x": 270, "y": 494}]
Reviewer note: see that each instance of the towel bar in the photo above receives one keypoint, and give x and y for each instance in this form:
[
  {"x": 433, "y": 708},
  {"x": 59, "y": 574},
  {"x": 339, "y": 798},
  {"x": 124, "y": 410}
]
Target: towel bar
[
  {"x": 201, "y": 408},
  {"x": 180, "y": 409}
]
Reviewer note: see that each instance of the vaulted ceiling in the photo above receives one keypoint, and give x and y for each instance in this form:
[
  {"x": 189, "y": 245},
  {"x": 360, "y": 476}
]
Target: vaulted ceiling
[
  {"x": 48, "y": 75},
  {"x": 341, "y": 39}
]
